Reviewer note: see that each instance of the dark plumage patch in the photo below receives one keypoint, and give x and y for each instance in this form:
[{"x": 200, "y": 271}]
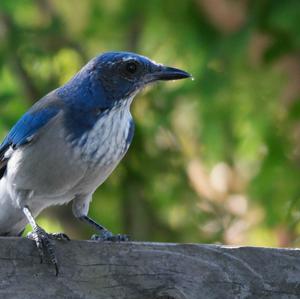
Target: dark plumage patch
[
  {"x": 2, "y": 168},
  {"x": 3, "y": 160}
]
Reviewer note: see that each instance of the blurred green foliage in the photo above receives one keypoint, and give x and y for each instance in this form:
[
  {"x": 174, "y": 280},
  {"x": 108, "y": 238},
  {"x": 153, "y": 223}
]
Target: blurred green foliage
[{"x": 213, "y": 160}]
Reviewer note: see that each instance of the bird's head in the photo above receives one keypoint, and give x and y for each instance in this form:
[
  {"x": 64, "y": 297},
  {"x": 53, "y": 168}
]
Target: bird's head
[
  {"x": 117, "y": 76},
  {"x": 123, "y": 74}
]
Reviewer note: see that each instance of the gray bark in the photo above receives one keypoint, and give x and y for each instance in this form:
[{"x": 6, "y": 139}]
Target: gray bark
[{"x": 137, "y": 270}]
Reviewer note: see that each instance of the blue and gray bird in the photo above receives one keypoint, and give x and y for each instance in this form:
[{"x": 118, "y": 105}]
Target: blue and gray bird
[{"x": 70, "y": 141}]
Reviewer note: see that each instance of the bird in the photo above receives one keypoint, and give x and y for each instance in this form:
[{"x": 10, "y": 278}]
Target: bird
[{"x": 69, "y": 142}]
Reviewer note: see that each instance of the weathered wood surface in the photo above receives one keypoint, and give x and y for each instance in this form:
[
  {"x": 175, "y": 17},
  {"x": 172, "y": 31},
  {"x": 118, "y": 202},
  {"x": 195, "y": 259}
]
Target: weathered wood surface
[{"x": 136, "y": 270}]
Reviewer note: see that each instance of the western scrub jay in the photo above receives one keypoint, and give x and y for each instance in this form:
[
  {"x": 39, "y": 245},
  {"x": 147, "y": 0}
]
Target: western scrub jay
[{"x": 70, "y": 141}]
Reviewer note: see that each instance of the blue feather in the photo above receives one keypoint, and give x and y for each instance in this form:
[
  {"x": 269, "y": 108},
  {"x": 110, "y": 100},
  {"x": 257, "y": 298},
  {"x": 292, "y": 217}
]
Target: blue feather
[{"x": 31, "y": 122}]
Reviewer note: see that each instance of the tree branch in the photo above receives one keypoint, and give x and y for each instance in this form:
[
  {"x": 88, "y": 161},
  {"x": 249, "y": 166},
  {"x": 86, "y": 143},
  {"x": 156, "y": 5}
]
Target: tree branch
[{"x": 148, "y": 270}]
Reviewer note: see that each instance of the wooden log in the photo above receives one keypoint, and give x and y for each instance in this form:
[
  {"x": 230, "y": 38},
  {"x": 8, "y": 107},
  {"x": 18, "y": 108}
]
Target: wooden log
[{"x": 136, "y": 270}]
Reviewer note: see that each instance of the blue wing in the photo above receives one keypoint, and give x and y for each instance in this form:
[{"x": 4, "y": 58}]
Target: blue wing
[{"x": 29, "y": 125}]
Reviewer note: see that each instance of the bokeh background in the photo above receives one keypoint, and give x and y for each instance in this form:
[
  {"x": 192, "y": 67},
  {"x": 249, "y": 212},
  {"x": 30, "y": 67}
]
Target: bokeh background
[{"x": 214, "y": 160}]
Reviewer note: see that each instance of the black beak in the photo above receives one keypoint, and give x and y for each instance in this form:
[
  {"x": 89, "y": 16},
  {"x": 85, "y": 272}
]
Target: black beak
[{"x": 167, "y": 73}]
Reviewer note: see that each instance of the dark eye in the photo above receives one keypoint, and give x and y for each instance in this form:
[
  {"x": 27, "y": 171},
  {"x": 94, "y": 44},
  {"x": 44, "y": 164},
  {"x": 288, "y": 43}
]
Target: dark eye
[{"x": 131, "y": 67}]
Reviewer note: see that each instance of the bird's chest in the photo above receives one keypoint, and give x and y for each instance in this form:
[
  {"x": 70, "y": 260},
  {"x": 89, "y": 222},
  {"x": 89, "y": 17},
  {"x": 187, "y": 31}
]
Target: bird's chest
[{"x": 106, "y": 143}]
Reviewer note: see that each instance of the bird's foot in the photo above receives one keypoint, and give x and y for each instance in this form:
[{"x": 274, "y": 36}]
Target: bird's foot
[
  {"x": 59, "y": 237},
  {"x": 106, "y": 235},
  {"x": 44, "y": 243}
]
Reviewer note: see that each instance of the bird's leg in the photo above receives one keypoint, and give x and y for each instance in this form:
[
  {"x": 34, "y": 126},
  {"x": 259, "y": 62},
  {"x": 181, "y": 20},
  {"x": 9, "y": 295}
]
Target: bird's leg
[
  {"x": 43, "y": 239},
  {"x": 80, "y": 210},
  {"x": 104, "y": 234}
]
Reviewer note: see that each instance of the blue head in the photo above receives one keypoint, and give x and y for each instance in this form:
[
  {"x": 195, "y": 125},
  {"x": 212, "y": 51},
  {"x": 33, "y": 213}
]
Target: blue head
[{"x": 113, "y": 77}]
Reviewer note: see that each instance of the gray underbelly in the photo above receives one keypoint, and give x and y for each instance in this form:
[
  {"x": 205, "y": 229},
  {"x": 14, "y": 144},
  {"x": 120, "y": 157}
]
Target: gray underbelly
[{"x": 12, "y": 219}]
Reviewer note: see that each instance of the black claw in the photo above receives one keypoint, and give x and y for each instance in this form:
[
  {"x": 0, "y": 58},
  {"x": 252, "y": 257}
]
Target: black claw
[
  {"x": 45, "y": 246},
  {"x": 59, "y": 237},
  {"x": 108, "y": 236},
  {"x": 120, "y": 238},
  {"x": 56, "y": 269}
]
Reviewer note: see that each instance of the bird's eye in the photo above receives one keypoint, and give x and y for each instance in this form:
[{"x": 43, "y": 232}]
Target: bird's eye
[{"x": 131, "y": 67}]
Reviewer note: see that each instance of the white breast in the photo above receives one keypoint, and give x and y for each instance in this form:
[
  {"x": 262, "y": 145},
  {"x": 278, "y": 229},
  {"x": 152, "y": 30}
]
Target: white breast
[{"x": 106, "y": 144}]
